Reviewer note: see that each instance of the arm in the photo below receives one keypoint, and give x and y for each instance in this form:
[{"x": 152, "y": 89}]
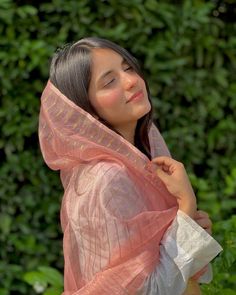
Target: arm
[
  {"x": 181, "y": 257},
  {"x": 174, "y": 176},
  {"x": 116, "y": 234}
]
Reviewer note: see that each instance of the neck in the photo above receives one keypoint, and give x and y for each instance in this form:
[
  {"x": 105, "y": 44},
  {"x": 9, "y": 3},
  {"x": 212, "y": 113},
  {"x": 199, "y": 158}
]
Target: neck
[{"x": 128, "y": 132}]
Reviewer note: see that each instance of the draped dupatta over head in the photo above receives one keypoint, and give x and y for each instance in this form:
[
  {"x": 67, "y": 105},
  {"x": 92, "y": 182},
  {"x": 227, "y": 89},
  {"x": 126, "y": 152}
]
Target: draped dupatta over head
[{"x": 115, "y": 209}]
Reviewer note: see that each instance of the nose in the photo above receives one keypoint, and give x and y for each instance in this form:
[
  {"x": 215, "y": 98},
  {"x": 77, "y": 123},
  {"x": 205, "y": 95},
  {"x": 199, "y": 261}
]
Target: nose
[{"x": 129, "y": 80}]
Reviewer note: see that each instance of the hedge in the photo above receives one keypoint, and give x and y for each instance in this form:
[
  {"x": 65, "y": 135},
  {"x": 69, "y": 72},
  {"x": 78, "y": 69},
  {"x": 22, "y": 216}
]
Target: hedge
[{"x": 187, "y": 50}]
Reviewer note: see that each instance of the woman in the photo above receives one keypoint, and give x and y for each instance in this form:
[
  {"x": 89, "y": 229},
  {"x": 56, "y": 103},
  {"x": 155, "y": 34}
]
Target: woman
[{"x": 128, "y": 209}]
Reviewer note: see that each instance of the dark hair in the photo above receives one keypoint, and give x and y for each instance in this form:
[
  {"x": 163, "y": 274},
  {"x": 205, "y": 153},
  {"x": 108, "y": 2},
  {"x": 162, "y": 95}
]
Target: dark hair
[{"x": 70, "y": 72}]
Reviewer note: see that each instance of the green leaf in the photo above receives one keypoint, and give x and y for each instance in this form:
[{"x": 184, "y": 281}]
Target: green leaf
[
  {"x": 5, "y": 223},
  {"x": 54, "y": 277},
  {"x": 34, "y": 277},
  {"x": 53, "y": 291}
]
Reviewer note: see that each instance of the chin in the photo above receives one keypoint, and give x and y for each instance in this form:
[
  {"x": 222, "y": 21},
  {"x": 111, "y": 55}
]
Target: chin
[{"x": 144, "y": 111}]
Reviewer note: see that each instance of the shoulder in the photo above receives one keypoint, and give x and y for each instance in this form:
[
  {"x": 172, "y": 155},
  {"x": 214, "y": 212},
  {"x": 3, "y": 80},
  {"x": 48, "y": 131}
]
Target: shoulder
[
  {"x": 113, "y": 186},
  {"x": 100, "y": 176},
  {"x": 112, "y": 172},
  {"x": 105, "y": 169}
]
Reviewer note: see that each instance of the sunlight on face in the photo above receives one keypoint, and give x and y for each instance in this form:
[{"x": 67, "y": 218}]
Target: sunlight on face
[{"x": 116, "y": 91}]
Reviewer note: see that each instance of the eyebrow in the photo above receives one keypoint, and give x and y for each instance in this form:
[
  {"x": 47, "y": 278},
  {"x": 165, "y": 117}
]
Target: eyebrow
[{"x": 104, "y": 75}]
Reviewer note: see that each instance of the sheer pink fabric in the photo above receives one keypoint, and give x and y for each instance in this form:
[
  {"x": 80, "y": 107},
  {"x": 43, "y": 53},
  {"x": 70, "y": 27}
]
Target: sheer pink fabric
[{"x": 115, "y": 209}]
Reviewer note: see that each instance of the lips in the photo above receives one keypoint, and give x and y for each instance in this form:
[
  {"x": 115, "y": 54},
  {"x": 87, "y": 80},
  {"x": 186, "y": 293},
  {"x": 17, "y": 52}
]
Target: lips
[{"x": 136, "y": 96}]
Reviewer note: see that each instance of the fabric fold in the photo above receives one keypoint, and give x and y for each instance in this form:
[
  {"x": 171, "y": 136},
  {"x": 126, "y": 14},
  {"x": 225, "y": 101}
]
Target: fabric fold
[{"x": 115, "y": 209}]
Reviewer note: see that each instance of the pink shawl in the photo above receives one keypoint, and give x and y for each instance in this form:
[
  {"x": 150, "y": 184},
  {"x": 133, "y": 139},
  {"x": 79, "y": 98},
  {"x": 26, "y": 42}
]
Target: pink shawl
[{"x": 115, "y": 209}]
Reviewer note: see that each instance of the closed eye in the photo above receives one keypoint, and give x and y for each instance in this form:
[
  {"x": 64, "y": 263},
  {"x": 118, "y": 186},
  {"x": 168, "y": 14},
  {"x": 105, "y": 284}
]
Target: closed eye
[
  {"x": 109, "y": 82},
  {"x": 128, "y": 68}
]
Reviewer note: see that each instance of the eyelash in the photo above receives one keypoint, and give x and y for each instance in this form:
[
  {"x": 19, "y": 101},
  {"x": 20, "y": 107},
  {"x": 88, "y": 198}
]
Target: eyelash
[
  {"x": 109, "y": 82},
  {"x": 127, "y": 69}
]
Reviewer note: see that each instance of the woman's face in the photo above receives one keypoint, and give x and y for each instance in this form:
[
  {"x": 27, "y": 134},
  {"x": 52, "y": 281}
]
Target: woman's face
[{"x": 116, "y": 91}]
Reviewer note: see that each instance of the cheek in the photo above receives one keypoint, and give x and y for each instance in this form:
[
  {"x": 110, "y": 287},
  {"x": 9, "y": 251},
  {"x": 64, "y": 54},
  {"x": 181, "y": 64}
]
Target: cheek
[
  {"x": 143, "y": 85},
  {"x": 109, "y": 100}
]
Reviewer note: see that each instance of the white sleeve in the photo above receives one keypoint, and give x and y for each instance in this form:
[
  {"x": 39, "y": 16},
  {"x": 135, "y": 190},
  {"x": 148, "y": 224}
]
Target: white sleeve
[{"x": 185, "y": 249}]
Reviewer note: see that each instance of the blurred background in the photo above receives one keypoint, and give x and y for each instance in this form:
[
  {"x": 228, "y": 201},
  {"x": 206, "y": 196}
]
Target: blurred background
[{"x": 187, "y": 50}]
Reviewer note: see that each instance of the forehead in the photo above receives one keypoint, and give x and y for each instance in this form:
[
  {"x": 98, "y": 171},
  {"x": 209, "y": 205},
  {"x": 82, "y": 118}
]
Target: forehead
[{"x": 105, "y": 59}]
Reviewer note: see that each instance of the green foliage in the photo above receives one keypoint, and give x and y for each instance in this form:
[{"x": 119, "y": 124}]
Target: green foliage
[
  {"x": 45, "y": 280},
  {"x": 188, "y": 54},
  {"x": 225, "y": 264}
]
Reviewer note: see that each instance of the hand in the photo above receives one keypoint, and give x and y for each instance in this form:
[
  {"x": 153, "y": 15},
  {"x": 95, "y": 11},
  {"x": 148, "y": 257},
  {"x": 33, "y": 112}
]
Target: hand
[
  {"x": 199, "y": 273},
  {"x": 202, "y": 219},
  {"x": 192, "y": 288},
  {"x": 174, "y": 176}
]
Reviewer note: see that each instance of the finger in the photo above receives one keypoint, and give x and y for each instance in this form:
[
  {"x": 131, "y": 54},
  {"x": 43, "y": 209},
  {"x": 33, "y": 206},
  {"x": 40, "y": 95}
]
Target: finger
[
  {"x": 163, "y": 160},
  {"x": 201, "y": 214},
  {"x": 164, "y": 168},
  {"x": 208, "y": 230},
  {"x": 205, "y": 223},
  {"x": 166, "y": 164},
  {"x": 169, "y": 163},
  {"x": 162, "y": 175},
  {"x": 200, "y": 273}
]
